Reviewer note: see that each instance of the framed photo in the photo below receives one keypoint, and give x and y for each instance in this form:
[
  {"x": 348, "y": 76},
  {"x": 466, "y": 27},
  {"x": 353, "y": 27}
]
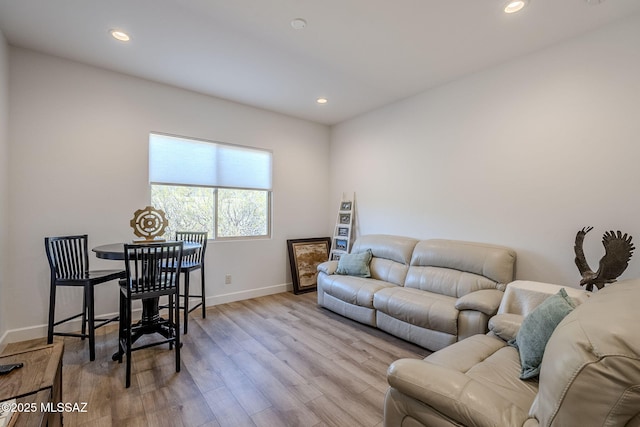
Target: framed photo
[
  {"x": 341, "y": 244},
  {"x": 336, "y": 256},
  {"x": 345, "y": 218},
  {"x": 345, "y": 206},
  {"x": 304, "y": 256},
  {"x": 343, "y": 231}
]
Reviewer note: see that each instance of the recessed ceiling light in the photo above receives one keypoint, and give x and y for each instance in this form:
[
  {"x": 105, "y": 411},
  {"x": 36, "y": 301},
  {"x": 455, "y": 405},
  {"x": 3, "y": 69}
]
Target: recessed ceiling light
[
  {"x": 298, "y": 23},
  {"x": 120, "y": 35},
  {"x": 322, "y": 100},
  {"x": 514, "y": 6}
]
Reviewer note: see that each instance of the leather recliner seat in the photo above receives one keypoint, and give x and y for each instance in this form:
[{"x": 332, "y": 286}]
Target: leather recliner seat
[{"x": 590, "y": 372}]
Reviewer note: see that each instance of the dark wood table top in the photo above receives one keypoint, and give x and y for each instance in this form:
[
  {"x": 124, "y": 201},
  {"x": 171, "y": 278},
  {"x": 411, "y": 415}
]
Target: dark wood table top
[{"x": 115, "y": 251}]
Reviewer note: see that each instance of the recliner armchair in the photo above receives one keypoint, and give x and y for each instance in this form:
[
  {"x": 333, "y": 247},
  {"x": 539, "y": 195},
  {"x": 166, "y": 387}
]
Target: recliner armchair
[{"x": 590, "y": 372}]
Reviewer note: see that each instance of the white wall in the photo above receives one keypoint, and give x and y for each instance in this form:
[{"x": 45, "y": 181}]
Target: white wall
[
  {"x": 523, "y": 154},
  {"x": 4, "y": 184},
  {"x": 79, "y": 138}
]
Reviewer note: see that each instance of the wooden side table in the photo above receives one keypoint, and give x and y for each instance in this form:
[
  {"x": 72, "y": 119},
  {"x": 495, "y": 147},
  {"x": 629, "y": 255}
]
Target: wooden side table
[{"x": 36, "y": 384}]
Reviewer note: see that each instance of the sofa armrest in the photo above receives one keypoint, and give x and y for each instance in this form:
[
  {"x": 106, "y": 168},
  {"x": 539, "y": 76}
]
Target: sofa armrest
[
  {"x": 328, "y": 267},
  {"x": 486, "y": 301},
  {"x": 453, "y": 394},
  {"x": 506, "y": 325}
]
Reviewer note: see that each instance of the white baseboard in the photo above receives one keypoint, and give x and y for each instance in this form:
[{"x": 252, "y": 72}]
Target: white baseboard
[
  {"x": 39, "y": 331},
  {"x": 243, "y": 295}
]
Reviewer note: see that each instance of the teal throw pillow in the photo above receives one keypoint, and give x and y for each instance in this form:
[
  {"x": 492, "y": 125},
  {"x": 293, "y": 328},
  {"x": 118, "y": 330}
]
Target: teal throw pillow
[
  {"x": 536, "y": 330},
  {"x": 355, "y": 264}
]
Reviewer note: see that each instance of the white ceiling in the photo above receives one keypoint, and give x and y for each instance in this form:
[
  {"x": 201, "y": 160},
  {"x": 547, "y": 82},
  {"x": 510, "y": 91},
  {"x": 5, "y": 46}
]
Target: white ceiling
[{"x": 360, "y": 54}]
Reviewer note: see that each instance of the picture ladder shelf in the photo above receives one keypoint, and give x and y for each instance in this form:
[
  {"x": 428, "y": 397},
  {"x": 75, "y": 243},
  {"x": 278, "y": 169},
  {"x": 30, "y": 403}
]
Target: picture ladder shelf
[{"x": 343, "y": 232}]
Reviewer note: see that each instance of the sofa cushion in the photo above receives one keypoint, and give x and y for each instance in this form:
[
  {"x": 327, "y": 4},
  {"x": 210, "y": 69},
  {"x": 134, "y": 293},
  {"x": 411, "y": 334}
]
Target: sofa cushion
[
  {"x": 536, "y": 329},
  {"x": 424, "y": 309},
  {"x": 394, "y": 248},
  {"x": 491, "y": 362},
  {"x": 474, "y": 382},
  {"x": 446, "y": 281},
  {"x": 391, "y": 256},
  {"x": 494, "y": 262},
  {"x": 355, "y": 264},
  {"x": 388, "y": 271},
  {"x": 353, "y": 290}
]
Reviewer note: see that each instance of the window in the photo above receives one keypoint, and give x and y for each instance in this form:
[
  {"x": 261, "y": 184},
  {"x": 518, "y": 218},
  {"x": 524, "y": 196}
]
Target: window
[{"x": 208, "y": 186}]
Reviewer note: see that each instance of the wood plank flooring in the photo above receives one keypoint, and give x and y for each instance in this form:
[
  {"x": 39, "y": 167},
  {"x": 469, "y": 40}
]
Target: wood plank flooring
[{"x": 278, "y": 360}]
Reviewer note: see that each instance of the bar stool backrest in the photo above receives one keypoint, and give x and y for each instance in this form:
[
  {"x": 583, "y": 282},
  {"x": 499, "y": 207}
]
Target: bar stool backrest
[
  {"x": 68, "y": 256},
  {"x": 196, "y": 237},
  {"x": 152, "y": 268}
]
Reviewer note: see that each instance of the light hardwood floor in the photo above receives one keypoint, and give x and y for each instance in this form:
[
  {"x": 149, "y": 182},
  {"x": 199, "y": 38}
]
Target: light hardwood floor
[{"x": 278, "y": 360}]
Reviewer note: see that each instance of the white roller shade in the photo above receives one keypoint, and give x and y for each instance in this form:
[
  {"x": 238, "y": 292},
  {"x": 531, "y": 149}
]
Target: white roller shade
[{"x": 174, "y": 160}]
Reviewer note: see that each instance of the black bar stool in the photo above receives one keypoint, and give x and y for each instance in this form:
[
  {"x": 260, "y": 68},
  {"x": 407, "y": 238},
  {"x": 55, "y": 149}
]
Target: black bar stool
[
  {"x": 191, "y": 263},
  {"x": 69, "y": 263},
  {"x": 152, "y": 271}
]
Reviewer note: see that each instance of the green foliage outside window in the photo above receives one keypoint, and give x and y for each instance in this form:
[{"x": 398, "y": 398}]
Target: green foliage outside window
[{"x": 241, "y": 213}]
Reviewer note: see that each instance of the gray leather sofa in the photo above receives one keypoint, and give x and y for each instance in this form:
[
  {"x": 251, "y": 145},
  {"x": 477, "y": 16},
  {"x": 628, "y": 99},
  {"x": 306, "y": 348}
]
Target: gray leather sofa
[
  {"x": 589, "y": 376},
  {"x": 430, "y": 292}
]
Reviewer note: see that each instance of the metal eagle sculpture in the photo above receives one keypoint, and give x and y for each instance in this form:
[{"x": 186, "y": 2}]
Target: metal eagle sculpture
[{"x": 618, "y": 250}]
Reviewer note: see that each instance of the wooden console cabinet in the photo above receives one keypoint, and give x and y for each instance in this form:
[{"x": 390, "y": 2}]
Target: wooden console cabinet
[{"x": 35, "y": 386}]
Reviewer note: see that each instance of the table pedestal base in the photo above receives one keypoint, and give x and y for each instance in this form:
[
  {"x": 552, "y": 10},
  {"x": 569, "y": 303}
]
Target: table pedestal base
[{"x": 150, "y": 323}]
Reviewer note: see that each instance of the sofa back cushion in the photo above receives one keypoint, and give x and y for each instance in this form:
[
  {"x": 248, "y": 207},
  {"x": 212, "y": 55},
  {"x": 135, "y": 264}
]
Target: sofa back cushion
[
  {"x": 391, "y": 255},
  {"x": 456, "y": 268},
  {"x": 590, "y": 372}
]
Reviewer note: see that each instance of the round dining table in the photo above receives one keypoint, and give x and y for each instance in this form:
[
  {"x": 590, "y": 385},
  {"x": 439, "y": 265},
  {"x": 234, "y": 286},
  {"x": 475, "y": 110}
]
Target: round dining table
[
  {"x": 115, "y": 251},
  {"x": 150, "y": 322}
]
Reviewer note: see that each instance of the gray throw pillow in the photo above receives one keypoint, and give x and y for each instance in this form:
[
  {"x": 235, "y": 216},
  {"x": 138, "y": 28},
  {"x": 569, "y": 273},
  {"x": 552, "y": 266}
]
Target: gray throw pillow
[
  {"x": 536, "y": 330},
  {"x": 355, "y": 264}
]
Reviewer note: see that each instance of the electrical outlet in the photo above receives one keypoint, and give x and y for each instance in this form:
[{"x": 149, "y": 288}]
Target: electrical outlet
[{"x": 227, "y": 279}]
